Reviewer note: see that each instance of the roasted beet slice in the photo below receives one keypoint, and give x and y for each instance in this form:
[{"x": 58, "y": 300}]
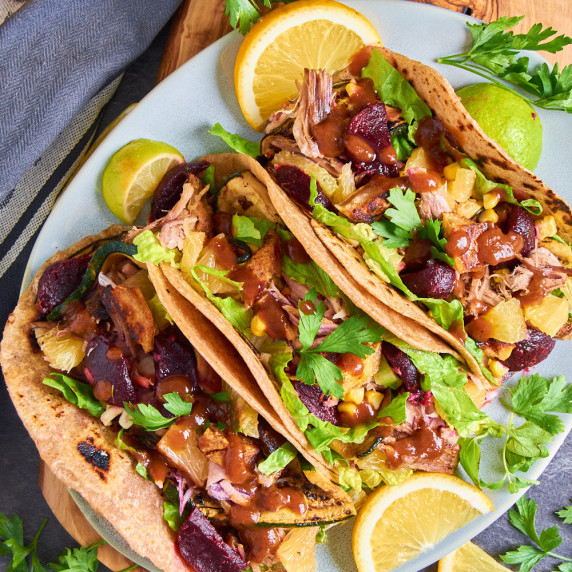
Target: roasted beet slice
[
  {"x": 269, "y": 439},
  {"x": 531, "y": 351},
  {"x": 169, "y": 189},
  {"x": 402, "y": 366},
  {"x": 370, "y": 126},
  {"x": 520, "y": 221},
  {"x": 104, "y": 361},
  {"x": 203, "y": 548},
  {"x": 297, "y": 183},
  {"x": 436, "y": 280},
  {"x": 313, "y": 398},
  {"x": 58, "y": 281},
  {"x": 174, "y": 355}
]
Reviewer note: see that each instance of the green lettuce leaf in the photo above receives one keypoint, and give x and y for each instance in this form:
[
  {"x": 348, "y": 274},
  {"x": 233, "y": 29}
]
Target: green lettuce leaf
[
  {"x": 251, "y": 229},
  {"x": 76, "y": 392},
  {"x": 483, "y": 186},
  {"x": 231, "y": 309},
  {"x": 149, "y": 249},
  {"x": 278, "y": 459},
  {"x": 311, "y": 275},
  {"x": 236, "y": 142},
  {"x": 393, "y": 89},
  {"x": 443, "y": 376}
]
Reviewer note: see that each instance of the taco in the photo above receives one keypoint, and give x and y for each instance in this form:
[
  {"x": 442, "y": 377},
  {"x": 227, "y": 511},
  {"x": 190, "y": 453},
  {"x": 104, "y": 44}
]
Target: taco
[
  {"x": 427, "y": 214},
  {"x": 137, "y": 403},
  {"x": 352, "y": 391}
]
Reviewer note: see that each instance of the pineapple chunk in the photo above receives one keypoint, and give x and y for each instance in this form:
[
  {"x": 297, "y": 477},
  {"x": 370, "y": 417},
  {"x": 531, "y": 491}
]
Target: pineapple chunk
[
  {"x": 462, "y": 186},
  {"x": 192, "y": 246},
  {"x": 476, "y": 393},
  {"x": 62, "y": 352},
  {"x": 549, "y": 316},
  {"x": 468, "y": 209},
  {"x": 507, "y": 322},
  {"x": 547, "y": 227}
]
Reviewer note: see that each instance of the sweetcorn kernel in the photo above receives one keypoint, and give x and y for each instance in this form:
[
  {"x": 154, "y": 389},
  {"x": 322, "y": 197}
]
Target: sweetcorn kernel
[
  {"x": 497, "y": 368},
  {"x": 489, "y": 215},
  {"x": 491, "y": 200},
  {"x": 355, "y": 395},
  {"x": 257, "y": 326},
  {"x": 450, "y": 171},
  {"x": 374, "y": 398},
  {"x": 347, "y": 408}
]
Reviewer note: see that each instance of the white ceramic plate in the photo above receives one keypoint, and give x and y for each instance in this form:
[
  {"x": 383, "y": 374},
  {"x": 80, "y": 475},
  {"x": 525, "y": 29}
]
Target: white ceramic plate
[{"x": 183, "y": 107}]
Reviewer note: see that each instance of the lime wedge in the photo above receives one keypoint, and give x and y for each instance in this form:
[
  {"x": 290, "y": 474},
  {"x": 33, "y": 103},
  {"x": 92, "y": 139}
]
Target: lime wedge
[
  {"x": 133, "y": 173},
  {"x": 506, "y": 118}
]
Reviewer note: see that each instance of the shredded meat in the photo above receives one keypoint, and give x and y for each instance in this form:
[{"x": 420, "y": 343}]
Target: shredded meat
[
  {"x": 427, "y": 442},
  {"x": 315, "y": 102},
  {"x": 369, "y": 202},
  {"x": 478, "y": 291},
  {"x": 541, "y": 259},
  {"x": 432, "y": 205}
]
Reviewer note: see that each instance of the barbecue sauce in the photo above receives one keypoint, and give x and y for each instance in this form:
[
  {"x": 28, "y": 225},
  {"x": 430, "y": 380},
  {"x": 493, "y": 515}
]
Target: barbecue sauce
[{"x": 424, "y": 445}]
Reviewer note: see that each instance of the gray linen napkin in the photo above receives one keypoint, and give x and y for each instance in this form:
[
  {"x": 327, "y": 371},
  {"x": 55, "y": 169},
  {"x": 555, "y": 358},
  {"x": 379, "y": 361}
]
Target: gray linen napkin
[{"x": 60, "y": 62}]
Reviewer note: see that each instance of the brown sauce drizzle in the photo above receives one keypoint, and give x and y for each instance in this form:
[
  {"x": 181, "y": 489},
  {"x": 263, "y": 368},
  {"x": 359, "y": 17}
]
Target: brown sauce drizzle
[
  {"x": 424, "y": 444},
  {"x": 363, "y": 413}
]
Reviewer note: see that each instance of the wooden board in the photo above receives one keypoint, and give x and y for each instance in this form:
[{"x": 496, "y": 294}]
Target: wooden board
[
  {"x": 71, "y": 518},
  {"x": 199, "y": 23}
]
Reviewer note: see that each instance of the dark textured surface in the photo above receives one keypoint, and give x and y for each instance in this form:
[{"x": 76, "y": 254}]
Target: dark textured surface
[{"x": 19, "y": 490}]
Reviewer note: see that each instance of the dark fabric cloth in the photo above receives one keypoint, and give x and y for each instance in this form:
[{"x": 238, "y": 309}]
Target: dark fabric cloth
[{"x": 61, "y": 62}]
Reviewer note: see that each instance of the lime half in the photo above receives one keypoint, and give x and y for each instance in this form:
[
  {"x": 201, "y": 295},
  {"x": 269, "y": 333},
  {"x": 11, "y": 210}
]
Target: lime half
[
  {"x": 506, "y": 118},
  {"x": 133, "y": 173}
]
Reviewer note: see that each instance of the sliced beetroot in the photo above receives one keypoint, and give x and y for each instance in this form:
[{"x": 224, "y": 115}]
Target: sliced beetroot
[
  {"x": 58, "y": 281},
  {"x": 521, "y": 222},
  {"x": 174, "y": 355},
  {"x": 531, "y": 351},
  {"x": 169, "y": 189},
  {"x": 203, "y": 548},
  {"x": 402, "y": 366},
  {"x": 101, "y": 366},
  {"x": 313, "y": 398},
  {"x": 269, "y": 439},
  {"x": 370, "y": 125},
  {"x": 297, "y": 184},
  {"x": 435, "y": 280}
]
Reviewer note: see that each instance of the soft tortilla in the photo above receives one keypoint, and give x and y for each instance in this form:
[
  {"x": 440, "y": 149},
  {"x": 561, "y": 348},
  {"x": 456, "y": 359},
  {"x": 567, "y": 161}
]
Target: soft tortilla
[
  {"x": 389, "y": 316},
  {"x": 409, "y": 330},
  {"x": 83, "y": 453},
  {"x": 439, "y": 94},
  {"x": 495, "y": 163},
  {"x": 103, "y": 474}
]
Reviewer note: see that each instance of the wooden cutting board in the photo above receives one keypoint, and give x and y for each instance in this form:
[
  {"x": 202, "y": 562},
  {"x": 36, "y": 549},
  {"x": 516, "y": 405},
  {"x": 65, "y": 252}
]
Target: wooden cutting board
[{"x": 197, "y": 24}]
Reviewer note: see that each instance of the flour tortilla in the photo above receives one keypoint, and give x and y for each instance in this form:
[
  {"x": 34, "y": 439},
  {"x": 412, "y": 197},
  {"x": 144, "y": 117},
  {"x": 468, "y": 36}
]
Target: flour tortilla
[
  {"x": 492, "y": 159},
  {"x": 112, "y": 488},
  {"x": 82, "y": 452},
  {"x": 406, "y": 329}
]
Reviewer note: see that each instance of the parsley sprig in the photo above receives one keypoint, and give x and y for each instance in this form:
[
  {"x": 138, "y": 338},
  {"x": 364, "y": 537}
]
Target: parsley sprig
[
  {"x": 151, "y": 419},
  {"x": 494, "y": 55},
  {"x": 351, "y": 336},
  {"x": 532, "y": 398},
  {"x": 404, "y": 221},
  {"x": 24, "y": 557},
  {"x": 245, "y": 13},
  {"x": 523, "y": 519}
]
